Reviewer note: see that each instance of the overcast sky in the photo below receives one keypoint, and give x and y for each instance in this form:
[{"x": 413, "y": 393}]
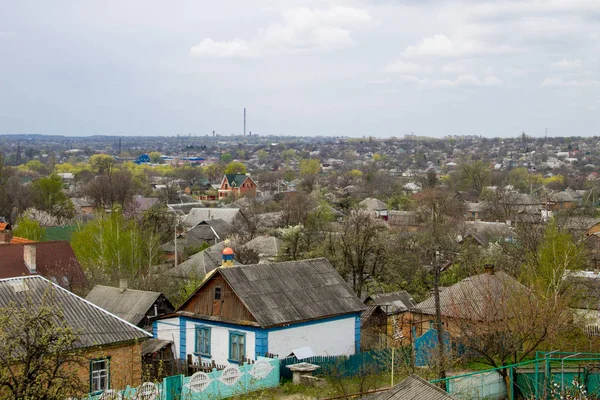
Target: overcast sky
[{"x": 363, "y": 67}]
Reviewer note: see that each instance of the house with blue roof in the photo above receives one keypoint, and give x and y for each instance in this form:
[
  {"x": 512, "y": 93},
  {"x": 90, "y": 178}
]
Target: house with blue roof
[{"x": 245, "y": 311}]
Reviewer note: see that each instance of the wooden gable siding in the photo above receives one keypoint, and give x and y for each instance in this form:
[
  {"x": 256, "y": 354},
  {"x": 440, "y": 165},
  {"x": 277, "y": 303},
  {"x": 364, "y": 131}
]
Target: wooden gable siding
[{"x": 229, "y": 308}]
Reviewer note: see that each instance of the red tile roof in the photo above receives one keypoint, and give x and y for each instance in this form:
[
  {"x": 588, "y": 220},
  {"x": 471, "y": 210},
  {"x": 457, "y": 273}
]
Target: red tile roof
[{"x": 54, "y": 260}]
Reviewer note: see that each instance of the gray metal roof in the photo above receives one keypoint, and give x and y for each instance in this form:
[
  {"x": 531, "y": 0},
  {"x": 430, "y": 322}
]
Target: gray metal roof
[
  {"x": 200, "y": 263},
  {"x": 475, "y": 297},
  {"x": 197, "y": 215},
  {"x": 265, "y": 246},
  {"x": 412, "y": 388},
  {"x": 393, "y": 302},
  {"x": 184, "y": 208},
  {"x": 96, "y": 327},
  {"x": 292, "y": 291},
  {"x": 130, "y": 305},
  {"x": 372, "y": 204}
]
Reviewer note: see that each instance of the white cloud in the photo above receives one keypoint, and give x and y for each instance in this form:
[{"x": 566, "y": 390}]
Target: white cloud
[
  {"x": 452, "y": 69},
  {"x": 443, "y": 46},
  {"x": 232, "y": 48},
  {"x": 301, "y": 30},
  {"x": 7, "y": 34},
  {"x": 402, "y": 67},
  {"x": 562, "y": 83},
  {"x": 462, "y": 81},
  {"x": 566, "y": 64}
]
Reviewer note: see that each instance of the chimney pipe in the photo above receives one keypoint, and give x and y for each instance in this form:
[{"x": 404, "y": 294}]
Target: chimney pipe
[
  {"x": 6, "y": 236},
  {"x": 123, "y": 284},
  {"x": 29, "y": 257},
  {"x": 488, "y": 269}
]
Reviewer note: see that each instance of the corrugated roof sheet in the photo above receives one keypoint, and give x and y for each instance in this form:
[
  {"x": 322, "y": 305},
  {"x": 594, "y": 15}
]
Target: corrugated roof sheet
[
  {"x": 292, "y": 291},
  {"x": 393, "y": 302},
  {"x": 265, "y": 246},
  {"x": 129, "y": 304},
  {"x": 475, "y": 297},
  {"x": 200, "y": 263},
  {"x": 96, "y": 327},
  {"x": 197, "y": 215},
  {"x": 412, "y": 388}
]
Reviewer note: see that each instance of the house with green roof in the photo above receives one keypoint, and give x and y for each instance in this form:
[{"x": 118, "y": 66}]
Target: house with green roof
[{"x": 237, "y": 185}]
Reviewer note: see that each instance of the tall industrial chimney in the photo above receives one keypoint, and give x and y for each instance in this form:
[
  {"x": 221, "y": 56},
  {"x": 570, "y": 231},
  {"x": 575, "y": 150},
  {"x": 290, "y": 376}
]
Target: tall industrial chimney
[{"x": 244, "y": 121}]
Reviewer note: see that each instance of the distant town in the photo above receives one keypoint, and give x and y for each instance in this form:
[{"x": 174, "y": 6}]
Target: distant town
[{"x": 222, "y": 266}]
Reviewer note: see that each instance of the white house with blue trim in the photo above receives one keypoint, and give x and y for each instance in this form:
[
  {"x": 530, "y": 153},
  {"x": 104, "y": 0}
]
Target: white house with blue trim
[{"x": 247, "y": 311}]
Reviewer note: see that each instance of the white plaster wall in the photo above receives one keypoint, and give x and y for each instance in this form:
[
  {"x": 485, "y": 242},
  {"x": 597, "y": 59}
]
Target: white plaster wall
[
  {"x": 219, "y": 341},
  {"x": 168, "y": 329},
  {"x": 327, "y": 338}
]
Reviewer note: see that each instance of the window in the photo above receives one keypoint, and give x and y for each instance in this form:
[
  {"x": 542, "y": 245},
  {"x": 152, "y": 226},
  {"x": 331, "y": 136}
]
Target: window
[
  {"x": 237, "y": 346},
  {"x": 203, "y": 340},
  {"x": 217, "y": 293},
  {"x": 99, "y": 375}
]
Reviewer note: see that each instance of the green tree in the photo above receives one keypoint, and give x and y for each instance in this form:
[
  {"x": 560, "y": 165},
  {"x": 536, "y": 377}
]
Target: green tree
[
  {"x": 309, "y": 168},
  {"x": 36, "y": 166},
  {"x": 519, "y": 178},
  {"x": 235, "y": 167},
  {"x": 28, "y": 229},
  {"x": 288, "y": 154},
  {"x": 556, "y": 254},
  {"x": 112, "y": 247},
  {"x": 155, "y": 157},
  {"x": 474, "y": 175},
  {"x": 102, "y": 164},
  {"x": 37, "y": 360},
  {"x": 47, "y": 195},
  {"x": 214, "y": 171},
  {"x": 226, "y": 157},
  {"x": 262, "y": 155}
]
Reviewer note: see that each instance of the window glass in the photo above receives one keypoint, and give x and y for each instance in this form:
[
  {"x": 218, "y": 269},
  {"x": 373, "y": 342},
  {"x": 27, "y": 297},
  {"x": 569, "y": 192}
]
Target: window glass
[
  {"x": 237, "y": 346},
  {"x": 203, "y": 340},
  {"x": 217, "y": 293},
  {"x": 99, "y": 375}
]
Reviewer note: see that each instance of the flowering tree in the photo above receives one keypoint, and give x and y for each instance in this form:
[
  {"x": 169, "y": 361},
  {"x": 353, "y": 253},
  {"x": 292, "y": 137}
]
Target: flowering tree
[{"x": 37, "y": 355}]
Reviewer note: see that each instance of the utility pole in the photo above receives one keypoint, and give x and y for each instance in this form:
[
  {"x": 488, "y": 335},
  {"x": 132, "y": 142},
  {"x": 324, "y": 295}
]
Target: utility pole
[
  {"x": 439, "y": 326},
  {"x": 175, "y": 245}
]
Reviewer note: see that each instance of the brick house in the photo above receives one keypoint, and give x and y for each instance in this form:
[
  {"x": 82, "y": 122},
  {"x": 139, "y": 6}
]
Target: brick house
[
  {"x": 53, "y": 260},
  {"x": 111, "y": 348},
  {"x": 237, "y": 185}
]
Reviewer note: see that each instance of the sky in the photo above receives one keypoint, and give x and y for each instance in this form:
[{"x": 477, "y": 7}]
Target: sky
[{"x": 314, "y": 67}]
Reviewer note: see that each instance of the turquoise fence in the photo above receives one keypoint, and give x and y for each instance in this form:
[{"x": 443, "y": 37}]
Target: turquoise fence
[
  {"x": 542, "y": 378},
  {"x": 218, "y": 384},
  {"x": 368, "y": 362}
]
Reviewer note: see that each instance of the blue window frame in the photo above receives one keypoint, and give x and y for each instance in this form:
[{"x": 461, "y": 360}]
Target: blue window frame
[
  {"x": 237, "y": 346},
  {"x": 203, "y": 340}
]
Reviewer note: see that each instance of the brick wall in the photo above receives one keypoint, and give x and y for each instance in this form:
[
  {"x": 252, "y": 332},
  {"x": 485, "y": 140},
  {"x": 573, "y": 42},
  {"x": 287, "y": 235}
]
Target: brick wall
[{"x": 125, "y": 365}]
